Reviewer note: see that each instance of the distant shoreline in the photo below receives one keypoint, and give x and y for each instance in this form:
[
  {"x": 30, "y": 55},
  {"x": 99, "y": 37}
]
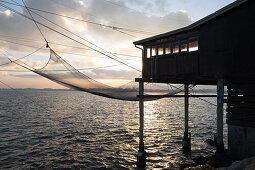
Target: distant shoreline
[
  {"x": 148, "y": 90},
  {"x": 35, "y": 89}
]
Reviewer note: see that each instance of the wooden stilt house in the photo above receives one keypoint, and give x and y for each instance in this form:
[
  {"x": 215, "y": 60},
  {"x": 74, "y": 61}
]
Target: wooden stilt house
[{"x": 216, "y": 50}]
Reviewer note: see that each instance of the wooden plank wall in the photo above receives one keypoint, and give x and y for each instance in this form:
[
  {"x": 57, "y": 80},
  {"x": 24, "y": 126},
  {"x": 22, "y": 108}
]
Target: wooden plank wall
[
  {"x": 241, "y": 105},
  {"x": 226, "y": 43},
  {"x": 168, "y": 65}
]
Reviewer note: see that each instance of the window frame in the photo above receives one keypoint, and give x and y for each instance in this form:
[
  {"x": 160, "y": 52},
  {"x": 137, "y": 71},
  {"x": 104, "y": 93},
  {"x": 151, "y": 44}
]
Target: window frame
[
  {"x": 168, "y": 44},
  {"x": 160, "y": 46},
  {"x": 153, "y": 47},
  {"x": 184, "y": 42},
  {"x": 193, "y": 39},
  {"x": 148, "y": 49},
  {"x": 174, "y": 44}
]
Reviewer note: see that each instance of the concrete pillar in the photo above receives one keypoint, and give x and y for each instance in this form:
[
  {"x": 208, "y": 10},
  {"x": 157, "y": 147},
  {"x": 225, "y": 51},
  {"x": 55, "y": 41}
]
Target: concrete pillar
[
  {"x": 186, "y": 139},
  {"x": 141, "y": 156},
  {"x": 220, "y": 102},
  {"x": 241, "y": 142}
]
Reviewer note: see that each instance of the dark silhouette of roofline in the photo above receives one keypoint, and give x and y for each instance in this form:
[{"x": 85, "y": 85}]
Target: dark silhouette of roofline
[{"x": 195, "y": 24}]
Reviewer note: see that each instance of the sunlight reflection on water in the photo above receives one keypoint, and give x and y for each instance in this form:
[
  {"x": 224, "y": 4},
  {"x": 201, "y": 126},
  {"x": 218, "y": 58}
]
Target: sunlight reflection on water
[{"x": 70, "y": 129}]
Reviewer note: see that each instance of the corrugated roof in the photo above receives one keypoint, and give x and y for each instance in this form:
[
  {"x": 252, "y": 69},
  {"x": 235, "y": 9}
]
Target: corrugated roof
[{"x": 195, "y": 24}]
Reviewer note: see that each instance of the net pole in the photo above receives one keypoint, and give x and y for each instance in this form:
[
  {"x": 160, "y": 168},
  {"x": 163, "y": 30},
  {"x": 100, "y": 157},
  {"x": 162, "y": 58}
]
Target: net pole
[{"x": 141, "y": 156}]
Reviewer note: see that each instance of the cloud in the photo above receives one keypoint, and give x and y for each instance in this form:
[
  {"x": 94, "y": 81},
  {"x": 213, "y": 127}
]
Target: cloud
[
  {"x": 6, "y": 12},
  {"x": 124, "y": 17},
  {"x": 106, "y": 13},
  {"x": 19, "y": 26},
  {"x": 118, "y": 13}
]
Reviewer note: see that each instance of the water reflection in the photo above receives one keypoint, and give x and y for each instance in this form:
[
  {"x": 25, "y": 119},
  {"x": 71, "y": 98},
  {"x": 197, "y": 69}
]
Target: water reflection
[
  {"x": 76, "y": 130},
  {"x": 149, "y": 111}
]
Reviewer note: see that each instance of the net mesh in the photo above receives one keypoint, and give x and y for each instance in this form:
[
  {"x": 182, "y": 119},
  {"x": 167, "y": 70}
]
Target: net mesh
[{"x": 60, "y": 71}]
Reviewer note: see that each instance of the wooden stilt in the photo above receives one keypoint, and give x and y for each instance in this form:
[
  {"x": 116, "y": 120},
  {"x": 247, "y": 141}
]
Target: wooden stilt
[
  {"x": 141, "y": 156},
  {"x": 186, "y": 103},
  {"x": 220, "y": 102},
  {"x": 186, "y": 138}
]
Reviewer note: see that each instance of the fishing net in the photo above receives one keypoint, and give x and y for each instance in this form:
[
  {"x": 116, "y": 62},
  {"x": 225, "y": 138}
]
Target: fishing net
[{"x": 60, "y": 71}]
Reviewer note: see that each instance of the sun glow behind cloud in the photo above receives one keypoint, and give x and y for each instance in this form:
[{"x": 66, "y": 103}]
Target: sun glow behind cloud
[
  {"x": 150, "y": 16},
  {"x": 7, "y": 12}
]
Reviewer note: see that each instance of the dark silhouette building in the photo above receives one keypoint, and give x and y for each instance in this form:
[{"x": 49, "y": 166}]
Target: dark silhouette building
[{"x": 216, "y": 50}]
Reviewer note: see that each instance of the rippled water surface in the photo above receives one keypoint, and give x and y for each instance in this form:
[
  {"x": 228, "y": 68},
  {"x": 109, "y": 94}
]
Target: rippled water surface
[{"x": 71, "y": 129}]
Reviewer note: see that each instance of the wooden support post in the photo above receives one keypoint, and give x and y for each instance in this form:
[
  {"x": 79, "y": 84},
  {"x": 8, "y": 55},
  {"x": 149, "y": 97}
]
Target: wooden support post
[
  {"x": 155, "y": 65},
  {"x": 141, "y": 114},
  {"x": 186, "y": 103},
  {"x": 220, "y": 102},
  {"x": 186, "y": 139},
  {"x": 141, "y": 156}
]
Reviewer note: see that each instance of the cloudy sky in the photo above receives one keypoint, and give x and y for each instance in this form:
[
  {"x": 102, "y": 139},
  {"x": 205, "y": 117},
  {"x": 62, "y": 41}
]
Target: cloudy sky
[{"x": 138, "y": 18}]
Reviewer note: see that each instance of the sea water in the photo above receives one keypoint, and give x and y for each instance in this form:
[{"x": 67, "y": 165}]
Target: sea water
[{"x": 72, "y": 129}]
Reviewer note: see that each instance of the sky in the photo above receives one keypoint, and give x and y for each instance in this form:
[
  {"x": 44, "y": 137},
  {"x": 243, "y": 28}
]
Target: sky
[{"x": 19, "y": 36}]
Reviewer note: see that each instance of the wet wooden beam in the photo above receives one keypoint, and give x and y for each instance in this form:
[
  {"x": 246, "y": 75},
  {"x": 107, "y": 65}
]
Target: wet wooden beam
[
  {"x": 141, "y": 155},
  {"x": 186, "y": 145},
  {"x": 220, "y": 102},
  {"x": 141, "y": 121},
  {"x": 175, "y": 96},
  {"x": 179, "y": 80},
  {"x": 186, "y": 102}
]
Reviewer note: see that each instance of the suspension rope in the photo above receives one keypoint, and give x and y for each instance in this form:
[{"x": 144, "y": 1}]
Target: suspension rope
[
  {"x": 206, "y": 100},
  {"x": 62, "y": 51},
  {"x": 34, "y": 22},
  {"x": 87, "y": 21},
  {"x": 76, "y": 35},
  {"x": 12, "y": 88},
  {"x": 197, "y": 97},
  {"x": 18, "y": 92},
  {"x": 68, "y": 31},
  {"x": 13, "y": 10},
  {"x": 133, "y": 56},
  {"x": 82, "y": 69},
  {"x": 17, "y": 63},
  {"x": 65, "y": 30},
  {"x": 23, "y": 56},
  {"x": 146, "y": 13}
]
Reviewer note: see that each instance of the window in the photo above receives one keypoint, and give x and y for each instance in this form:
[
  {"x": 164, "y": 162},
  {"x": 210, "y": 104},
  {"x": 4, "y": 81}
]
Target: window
[
  {"x": 148, "y": 53},
  {"x": 184, "y": 46},
  {"x": 160, "y": 50},
  {"x": 193, "y": 45},
  {"x": 168, "y": 49},
  {"x": 175, "y": 48},
  {"x": 153, "y": 51}
]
